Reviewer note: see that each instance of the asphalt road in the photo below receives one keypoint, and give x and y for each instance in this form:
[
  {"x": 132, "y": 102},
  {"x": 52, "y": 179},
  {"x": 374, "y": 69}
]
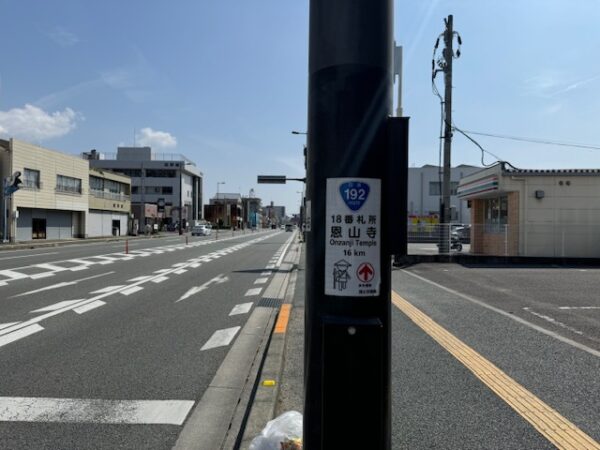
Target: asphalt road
[
  {"x": 99, "y": 349},
  {"x": 515, "y": 319}
]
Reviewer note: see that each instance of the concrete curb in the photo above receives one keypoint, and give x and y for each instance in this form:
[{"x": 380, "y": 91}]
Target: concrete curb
[
  {"x": 220, "y": 416},
  {"x": 462, "y": 258},
  {"x": 264, "y": 402}
]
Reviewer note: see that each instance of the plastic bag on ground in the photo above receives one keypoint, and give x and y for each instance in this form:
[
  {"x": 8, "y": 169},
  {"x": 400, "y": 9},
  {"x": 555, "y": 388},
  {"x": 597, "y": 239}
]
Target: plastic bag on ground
[{"x": 282, "y": 433}]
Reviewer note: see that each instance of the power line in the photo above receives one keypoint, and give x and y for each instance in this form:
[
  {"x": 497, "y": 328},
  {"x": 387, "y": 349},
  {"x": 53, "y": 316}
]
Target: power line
[{"x": 536, "y": 141}]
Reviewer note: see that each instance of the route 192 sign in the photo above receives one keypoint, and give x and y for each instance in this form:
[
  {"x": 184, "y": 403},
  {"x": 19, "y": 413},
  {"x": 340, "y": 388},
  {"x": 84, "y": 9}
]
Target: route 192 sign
[{"x": 352, "y": 237}]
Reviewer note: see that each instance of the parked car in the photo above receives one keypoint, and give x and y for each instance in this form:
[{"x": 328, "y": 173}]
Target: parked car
[{"x": 201, "y": 230}]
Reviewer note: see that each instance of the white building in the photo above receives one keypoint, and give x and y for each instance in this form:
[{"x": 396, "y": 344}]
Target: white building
[
  {"x": 424, "y": 190},
  {"x": 161, "y": 183},
  {"x": 553, "y": 213}
]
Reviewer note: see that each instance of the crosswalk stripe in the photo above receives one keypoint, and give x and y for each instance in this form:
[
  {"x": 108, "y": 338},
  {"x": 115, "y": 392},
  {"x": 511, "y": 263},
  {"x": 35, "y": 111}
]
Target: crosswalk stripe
[
  {"x": 75, "y": 410},
  {"x": 253, "y": 291},
  {"x": 107, "y": 289}
]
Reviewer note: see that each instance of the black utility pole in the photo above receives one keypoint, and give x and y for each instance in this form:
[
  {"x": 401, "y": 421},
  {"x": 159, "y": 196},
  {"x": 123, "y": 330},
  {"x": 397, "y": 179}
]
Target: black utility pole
[
  {"x": 352, "y": 197},
  {"x": 181, "y": 198}
]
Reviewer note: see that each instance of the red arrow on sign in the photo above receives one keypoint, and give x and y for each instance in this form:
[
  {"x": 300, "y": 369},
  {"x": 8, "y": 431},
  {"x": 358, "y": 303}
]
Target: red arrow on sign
[{"x": 365, "y": 272}]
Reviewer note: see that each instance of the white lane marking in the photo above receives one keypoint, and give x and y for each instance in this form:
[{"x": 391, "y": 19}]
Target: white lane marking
[
  {"x": 37, "y": 276},
  {"x": 108, "y": 289},
  {"x": 195, "y": 265},
  {"x": 89, "y": 307},
  {"x": 142, "y": 278},
  {"x": 51, "y": 267},
  {"x": 19, "y": 334},
  {"x": 553, "y": 321},
  {"x": 56, "y": 306},
  {"x": 13, "y": 275},
  {"x": 63, "y": 284},
  {"x": 162, "y": 270},
  {"x": 180, "y": 271},
  {"x": 35, "y": 320},
  {"x": 242, "y": 308},
  {"x": 533, "y": 326},
  {"x": 131, "y": 290},
  {"x": 8, "y": 324},
  {"x": 75, "y": 410},
  {"x": 253, "y": 291},
  {"x": 28, "y": 256},
  {"x": 266, "y": 273},
  {"x": 179, "y": 265},
  {"x": 221, "y": 338},
  {"x": 270, "y": 266},
  {"x": 579, "y": 307},
  {"x": 160, "y": 279},
  {"x": 221, "y": 278},
  {"x": 261, "y": 280},
  {"x": 284, "y": 250}
]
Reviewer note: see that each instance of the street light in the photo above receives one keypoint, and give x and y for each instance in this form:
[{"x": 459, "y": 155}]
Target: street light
[{"x": 299, "y": 132}]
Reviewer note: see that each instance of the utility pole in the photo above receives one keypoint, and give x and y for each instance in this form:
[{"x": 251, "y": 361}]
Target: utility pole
[
  {"x": 448, "y": 56},
  {"x": 352, "y": 193}
]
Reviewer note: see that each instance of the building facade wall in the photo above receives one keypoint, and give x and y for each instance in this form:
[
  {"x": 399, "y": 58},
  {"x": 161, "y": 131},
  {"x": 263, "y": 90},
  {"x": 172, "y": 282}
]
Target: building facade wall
[
  {"x": 101, "y": 223},
  {"x": 420, "y": 200},
  {"x": 65, "y": 213}
]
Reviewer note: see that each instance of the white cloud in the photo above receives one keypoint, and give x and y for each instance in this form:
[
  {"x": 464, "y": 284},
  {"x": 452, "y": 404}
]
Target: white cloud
[
  {"x": 156, "y": 139},
  {"x": 63, "y": 37},
  {"x": 33, "y": 123}
]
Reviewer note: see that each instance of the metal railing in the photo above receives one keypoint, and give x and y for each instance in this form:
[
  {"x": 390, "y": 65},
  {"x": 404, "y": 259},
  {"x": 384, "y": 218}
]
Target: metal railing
[
  {"x": 109, "y": 195},
  {"x": 536, "y": 239}
]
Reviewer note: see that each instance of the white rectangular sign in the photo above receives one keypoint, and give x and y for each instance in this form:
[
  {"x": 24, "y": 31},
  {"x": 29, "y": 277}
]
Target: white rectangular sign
[{"x": 352, "y": 237}]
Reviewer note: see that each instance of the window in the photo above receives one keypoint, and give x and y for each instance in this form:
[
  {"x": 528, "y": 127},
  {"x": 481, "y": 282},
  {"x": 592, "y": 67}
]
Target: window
[
  {"x": 435, "y": 188},
  {"x": 96, "y": 183},
  {"x": 160, "y": 173},
  {"x": 152, "y": 190},
  {"x": 68, "y": 184},
  {"x": 167, "y": 189},
  {"x": 130, "y": 172},
  {"x": 495, "y": 214},
  {"x": 134, "y": 190},
  {"x": 31, "y": 178}
]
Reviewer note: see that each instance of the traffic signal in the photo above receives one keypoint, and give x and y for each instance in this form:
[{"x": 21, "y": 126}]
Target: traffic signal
[{"x": 14, "y": 184}]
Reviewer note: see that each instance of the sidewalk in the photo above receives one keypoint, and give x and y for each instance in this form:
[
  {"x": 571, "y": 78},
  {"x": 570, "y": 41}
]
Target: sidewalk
[{"x": 280, "y": 386}]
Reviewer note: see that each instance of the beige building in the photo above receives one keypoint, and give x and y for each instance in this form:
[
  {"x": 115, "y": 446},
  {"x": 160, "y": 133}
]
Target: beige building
[
  {"x": 53, "y": 200},
  {"x": 109, "y": 204},
  {"x": 517, "y": 212}
]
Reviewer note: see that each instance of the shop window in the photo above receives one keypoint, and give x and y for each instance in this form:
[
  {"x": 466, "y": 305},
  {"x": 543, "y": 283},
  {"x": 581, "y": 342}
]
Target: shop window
[{"x": 496, "y": 214}]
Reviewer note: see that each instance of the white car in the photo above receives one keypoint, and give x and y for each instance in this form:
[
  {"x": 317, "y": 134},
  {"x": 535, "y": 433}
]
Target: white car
[{"x": 201, "y": 230}]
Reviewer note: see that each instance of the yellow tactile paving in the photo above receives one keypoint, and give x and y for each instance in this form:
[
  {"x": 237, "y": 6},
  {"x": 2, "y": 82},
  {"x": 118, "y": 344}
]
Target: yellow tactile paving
[
  {"x": 557, "y": 429},
  {"x": 283, "y": 318}
]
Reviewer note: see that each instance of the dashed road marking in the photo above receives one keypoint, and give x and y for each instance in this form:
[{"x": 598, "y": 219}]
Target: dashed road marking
[
  {"x": 19, "y": 334},
  {"x": 160, "y": 279},
  {"x": 221, "y": 338},
  {"x": 261, "y": 280},
  {"x": 108, "y": 289},
  {"x": 131, "y": 290},
  {"x": 55, "y": 306},
  {"x": 180, "y": 271},
  {"x": 253, "y": 291},
  {"x": 242, "y": 308},
  {"x": 89, "y": 306}
]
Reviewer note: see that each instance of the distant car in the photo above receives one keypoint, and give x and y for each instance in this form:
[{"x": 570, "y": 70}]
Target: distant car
[
  {"x": 201, "y": 230},
  {"x": 289, "y": 227}
]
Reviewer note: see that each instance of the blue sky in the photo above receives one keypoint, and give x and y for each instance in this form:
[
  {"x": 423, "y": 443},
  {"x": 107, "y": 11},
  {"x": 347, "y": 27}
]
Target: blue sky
[{"x": 225, "y": 82}]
